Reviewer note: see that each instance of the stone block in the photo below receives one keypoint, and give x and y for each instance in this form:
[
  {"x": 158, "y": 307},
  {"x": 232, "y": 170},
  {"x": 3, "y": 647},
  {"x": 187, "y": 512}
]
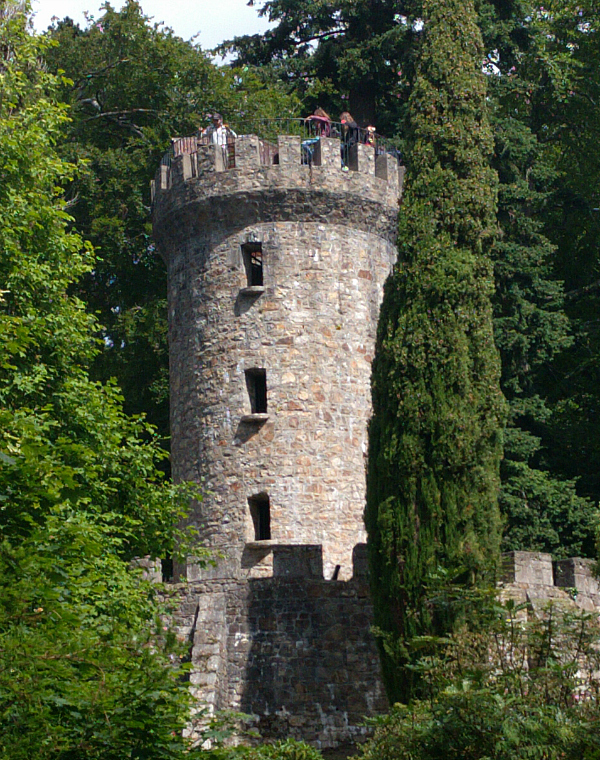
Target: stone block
[
  {"x": 327, "y": 153},
  {"x": 527, "y": 568},
  {"x": 361, "y": 158},
  {"x": 227, "y": 566},
  {"x": 381, "y": 165},
  {"x": 186, "y": 166},
  {"x": 151, "y": 569},
  {"x": 206, "y": 161},
  {"x": 577, "y": 573},
  {"x": 289, "y": 151},
  {"x": 298, "y": 561},
  {"x": 247, "y": 152},
  {"x": 360, "y": 561},
  {"x": 164, "y": 177},
  {"x": 200, "y": 678}
]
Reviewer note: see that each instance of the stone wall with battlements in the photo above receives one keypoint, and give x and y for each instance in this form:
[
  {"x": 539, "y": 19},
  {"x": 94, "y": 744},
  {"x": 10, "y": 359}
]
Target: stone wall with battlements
[
  {"x": 368, "y": 192},
  {"x": 294, "y": 651},
  {"x": 534, "y": 578}
]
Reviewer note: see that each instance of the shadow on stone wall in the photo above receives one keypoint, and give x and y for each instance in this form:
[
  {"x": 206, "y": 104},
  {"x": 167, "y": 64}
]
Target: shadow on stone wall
[{"x": 312, "y": 669}]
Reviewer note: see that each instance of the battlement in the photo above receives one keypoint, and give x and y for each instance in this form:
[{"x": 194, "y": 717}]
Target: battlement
[
  {"x": 535, "y": 576},
  {"x": 294, "y": 650},
  {"x": 249, "y": 164},
  {"x": 276, "y": 560}
]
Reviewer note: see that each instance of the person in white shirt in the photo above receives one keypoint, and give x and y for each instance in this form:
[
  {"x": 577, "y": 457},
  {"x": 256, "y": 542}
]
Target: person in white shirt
[{"x": 219, "y": 134}]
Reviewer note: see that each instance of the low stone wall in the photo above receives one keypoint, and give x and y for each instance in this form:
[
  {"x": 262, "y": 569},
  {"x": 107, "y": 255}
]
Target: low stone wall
[
  {"x": 534, "y": 577},
  {"x": 294, "y": 651},
  {"x": 311, "y": 669}
]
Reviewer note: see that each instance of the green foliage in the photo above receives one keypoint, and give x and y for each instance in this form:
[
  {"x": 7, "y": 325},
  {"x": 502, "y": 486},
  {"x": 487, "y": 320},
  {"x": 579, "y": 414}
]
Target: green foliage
[
  {"x": 542, "y": 508},
  {"x": 518, "y": 688},
  {"x": 68, "y": 435},
  {"x": 568, "y": 119},
  {"x": 87, "y": 669},
  {"x": 435, "y": 436},
  {"x": 543, "y": 513},
  {"x": 281, "y": 750},
  {"x": 339, "y": 54},
  {"x": 133, "y": 86}
]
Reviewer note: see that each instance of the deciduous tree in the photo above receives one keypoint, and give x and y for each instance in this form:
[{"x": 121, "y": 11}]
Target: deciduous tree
[
  {"x": 133, "y": 86},
  {"x": 86, "y": 666}
]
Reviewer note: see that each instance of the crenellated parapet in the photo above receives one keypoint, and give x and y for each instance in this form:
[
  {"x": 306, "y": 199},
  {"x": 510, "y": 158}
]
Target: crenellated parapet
[
  {"x": 535, "y": 577},
  {"x": 293, "y": 650},
  {"x": 281, "y": 178}
]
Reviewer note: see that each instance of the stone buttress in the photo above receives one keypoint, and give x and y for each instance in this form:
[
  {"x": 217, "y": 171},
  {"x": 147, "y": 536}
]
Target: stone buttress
[{"x": 276, "y": 270}]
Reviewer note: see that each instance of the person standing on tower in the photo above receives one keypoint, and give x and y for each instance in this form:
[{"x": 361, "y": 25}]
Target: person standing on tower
[
  {"x": 319, "y": 122},
  {"x": 348, "y": 136},
  {"x": 221, "y": 134}
]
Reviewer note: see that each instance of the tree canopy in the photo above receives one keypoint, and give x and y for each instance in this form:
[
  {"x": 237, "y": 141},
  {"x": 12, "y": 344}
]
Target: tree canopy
[
  {"x": 340, "y": 54},
  {"x": 87, "y": 669},
  {"x": 132, "y": 86}
]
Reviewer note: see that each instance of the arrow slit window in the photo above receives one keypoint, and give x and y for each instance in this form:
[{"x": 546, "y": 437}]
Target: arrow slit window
[
  {"x": 260, "y": 510},
  {"x": 252, "y": 255},
  {"x": 256, "y": 383}
]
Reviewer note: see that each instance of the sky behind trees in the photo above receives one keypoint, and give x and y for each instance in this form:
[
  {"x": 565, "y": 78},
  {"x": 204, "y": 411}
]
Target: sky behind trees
[{"x": 215, "y": 20}]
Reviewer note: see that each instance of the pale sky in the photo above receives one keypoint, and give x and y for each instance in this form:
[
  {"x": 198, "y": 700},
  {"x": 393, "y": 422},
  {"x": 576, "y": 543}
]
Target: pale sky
[{"x": 216, "y": 20}]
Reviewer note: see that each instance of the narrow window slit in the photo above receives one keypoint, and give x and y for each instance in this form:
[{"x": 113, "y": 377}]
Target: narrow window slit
[
  {"x": 256, "y": 383},
  {"x": 260, "y": 511},
  {"x": 253, "y": 262}
]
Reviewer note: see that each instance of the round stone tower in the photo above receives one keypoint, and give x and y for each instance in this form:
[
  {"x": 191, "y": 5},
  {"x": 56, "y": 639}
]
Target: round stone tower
[{"x": 276, "y": 268}]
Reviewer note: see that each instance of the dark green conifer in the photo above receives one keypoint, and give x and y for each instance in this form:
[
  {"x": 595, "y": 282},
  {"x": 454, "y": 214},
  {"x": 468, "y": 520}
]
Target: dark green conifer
[
  {"x": 435, "y": 437},
  {"x": 542, "y": 508}
]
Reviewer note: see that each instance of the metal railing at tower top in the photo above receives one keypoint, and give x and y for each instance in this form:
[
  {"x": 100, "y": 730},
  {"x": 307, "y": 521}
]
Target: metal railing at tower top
[
  {"x": 308, "y": 130},
  {"x": 269, "y": 129}
]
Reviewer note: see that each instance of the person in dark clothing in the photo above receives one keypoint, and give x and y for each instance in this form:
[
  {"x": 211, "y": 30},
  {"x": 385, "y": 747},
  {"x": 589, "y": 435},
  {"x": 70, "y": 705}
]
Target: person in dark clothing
[{"x": 349, "y": 136}]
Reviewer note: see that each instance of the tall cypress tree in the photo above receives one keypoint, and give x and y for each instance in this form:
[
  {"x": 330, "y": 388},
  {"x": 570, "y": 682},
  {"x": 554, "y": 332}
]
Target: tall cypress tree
[{"x": 435, "y": 436}]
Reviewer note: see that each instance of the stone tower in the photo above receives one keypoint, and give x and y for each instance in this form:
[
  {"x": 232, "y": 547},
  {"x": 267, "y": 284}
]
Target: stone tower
[{"x": 276, "y": 269}]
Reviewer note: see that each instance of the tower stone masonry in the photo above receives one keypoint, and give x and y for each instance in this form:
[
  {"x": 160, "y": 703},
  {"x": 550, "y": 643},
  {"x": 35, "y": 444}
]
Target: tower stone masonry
[
  {"x": 276, "y": 274},
  {"x": 276, "y": 269}
]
